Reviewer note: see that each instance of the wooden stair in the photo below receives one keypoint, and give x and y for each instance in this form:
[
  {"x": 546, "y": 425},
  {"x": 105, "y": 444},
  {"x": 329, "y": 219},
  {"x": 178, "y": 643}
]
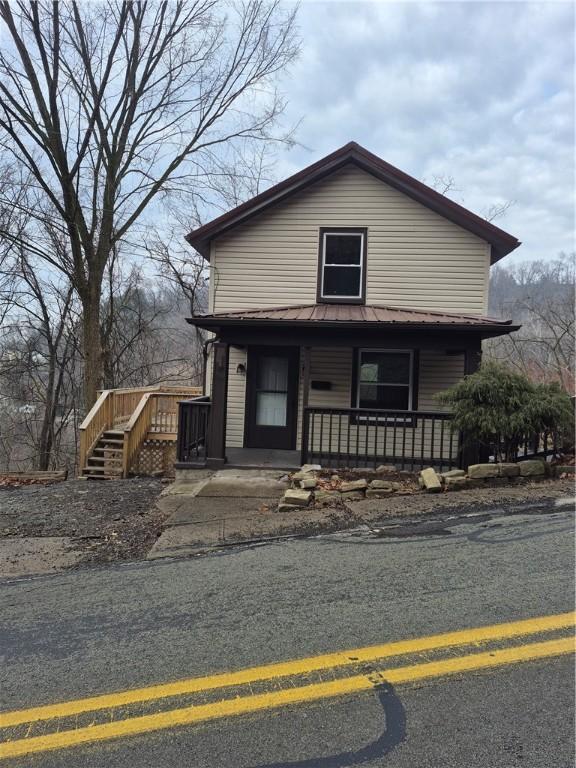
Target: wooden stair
[
  {"x": 115, "y": 432},
  {"x": 105, "y": 461}
]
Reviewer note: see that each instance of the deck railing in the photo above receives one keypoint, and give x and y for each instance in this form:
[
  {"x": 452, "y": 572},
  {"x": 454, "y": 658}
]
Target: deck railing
[
  {"x": 139, "y": 413},
  {"x": 358, "y": 437},
  {"x": 193, "y": 417}
]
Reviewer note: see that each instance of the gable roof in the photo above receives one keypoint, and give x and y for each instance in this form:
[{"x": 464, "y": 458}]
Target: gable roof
[{"x": 352, "y": 153}]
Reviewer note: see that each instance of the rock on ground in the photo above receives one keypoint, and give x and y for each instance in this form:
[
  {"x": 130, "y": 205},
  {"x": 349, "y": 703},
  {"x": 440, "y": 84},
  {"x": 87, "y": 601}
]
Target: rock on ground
[
  {"x": 482, "y": 471},
  {"x": 431, "y": 480},
  {"x": 532, "y": 467}
]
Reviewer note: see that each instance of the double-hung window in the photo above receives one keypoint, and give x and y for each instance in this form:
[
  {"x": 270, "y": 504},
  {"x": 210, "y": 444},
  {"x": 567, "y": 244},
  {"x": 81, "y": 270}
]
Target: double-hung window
[
  {"x": 342, "y": 265},
  {"x": 385, "y": 379}
]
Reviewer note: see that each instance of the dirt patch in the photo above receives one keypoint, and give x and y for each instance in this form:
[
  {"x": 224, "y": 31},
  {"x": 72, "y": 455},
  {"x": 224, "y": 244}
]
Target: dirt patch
[
  {"x": 105, "y": 521},
  {"x": 32, "y": 555}
]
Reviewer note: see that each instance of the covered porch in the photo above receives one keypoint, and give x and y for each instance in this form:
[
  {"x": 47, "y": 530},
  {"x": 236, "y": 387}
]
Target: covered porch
[{"x": 296, "y": 385}]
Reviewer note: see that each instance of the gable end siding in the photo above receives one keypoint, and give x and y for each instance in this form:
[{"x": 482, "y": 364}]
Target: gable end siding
[{"x": 416, "y": 258}]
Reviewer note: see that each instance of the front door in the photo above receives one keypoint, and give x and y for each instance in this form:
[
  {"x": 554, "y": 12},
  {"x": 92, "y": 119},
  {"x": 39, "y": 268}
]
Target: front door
[{"x": 271, "y": 397}]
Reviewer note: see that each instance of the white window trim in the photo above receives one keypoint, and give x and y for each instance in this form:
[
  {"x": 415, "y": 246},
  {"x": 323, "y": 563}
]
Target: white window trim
[
  {"x": 410, "y": 384},
  {"x": 330, "y": 233}
]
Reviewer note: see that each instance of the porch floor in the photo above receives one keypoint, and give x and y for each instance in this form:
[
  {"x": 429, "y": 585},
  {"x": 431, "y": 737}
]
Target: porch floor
[{"x": 261, "y": 458}]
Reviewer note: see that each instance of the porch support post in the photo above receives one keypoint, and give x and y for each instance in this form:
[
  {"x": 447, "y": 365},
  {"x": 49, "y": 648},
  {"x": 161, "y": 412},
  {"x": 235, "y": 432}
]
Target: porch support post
[
  {"x": 305, "y": 393},
  {"x": 471, "y": 452},
  {"x": 216, "y": 434}
]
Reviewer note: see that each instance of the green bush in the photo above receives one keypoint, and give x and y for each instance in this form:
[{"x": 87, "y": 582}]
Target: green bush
[{"x": 496, "y": 406}]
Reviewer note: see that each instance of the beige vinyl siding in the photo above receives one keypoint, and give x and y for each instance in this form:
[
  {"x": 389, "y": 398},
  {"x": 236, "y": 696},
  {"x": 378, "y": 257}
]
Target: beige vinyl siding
[
  {"x": 437, "y": 371},
  {"x": 416, "y": 258},
  {"x": 236, "y": 395},
  {"x": 236, "y": 399}
]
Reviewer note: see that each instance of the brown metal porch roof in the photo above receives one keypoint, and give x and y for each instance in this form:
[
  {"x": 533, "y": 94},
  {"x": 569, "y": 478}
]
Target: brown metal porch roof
[{"x": 351, "y": 315}]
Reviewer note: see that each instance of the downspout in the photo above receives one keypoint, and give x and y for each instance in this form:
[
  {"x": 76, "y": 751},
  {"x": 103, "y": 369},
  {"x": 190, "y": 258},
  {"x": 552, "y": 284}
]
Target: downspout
[{"x": 205, "y": 352}]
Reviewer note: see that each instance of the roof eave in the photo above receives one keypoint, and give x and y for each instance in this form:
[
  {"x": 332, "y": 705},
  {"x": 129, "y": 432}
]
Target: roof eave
[{"x": 212, "y": 323}]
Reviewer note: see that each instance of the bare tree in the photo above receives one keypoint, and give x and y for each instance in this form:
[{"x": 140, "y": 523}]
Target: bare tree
[
  {"x": 539, "y": 295},
  {"x": 445, "y": 184},
  {"x": 498, "y": 210},
  {"x": 38, "y": 346},
  {"x": 111, "y": 106},
  {"x": 148, "y": 341}
]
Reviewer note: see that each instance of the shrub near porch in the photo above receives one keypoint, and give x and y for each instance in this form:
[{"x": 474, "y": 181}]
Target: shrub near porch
[{"x": 500, "y": 410}]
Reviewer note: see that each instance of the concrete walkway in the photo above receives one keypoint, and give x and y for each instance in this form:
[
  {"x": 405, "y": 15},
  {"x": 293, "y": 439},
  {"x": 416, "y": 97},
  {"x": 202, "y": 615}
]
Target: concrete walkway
[{"x": 210, "y": 509}]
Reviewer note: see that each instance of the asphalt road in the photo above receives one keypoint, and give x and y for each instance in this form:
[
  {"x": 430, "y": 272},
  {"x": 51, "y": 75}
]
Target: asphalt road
[{"x": 108, "y": 629}]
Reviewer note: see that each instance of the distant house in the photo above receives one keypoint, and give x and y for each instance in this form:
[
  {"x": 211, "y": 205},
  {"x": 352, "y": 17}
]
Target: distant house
[{"x": 341, "y": 301}]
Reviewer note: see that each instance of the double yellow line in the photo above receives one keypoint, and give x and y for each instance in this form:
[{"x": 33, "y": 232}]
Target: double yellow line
[{"x": 238, "y": 705}]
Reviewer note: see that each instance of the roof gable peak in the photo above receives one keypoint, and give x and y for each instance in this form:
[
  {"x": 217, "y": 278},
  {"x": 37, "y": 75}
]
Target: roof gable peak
[{"x": 502, "y": 242}]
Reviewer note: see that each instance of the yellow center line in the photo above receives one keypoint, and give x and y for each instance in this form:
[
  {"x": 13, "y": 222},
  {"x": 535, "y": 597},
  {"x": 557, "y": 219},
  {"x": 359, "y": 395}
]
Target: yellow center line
[
  {"x": 290, "y": 668},
  {"x": 264, "y": 701}
]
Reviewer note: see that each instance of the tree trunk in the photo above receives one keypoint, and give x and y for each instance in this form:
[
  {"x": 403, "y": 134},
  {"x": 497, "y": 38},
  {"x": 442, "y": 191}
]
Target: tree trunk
[
  {"x": 91, "y": 346},
  {"x": 47, "y": 430}
]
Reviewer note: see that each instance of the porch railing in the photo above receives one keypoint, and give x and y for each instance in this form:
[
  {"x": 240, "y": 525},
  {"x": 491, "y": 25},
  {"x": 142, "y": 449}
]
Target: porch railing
[
  {"x": 358, "y": 437},
  {"x": 191, "y": 447},
  {"x": 539, "y": 445}
]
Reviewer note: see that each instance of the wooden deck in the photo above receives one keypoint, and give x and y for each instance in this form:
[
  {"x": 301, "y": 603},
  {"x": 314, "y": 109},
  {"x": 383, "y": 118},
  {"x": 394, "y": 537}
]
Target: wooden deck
[{"x": 131, "y": 431}]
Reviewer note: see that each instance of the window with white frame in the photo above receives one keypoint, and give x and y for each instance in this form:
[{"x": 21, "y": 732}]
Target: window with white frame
[
  {"x": 385, "y": 379},
  {"x": 342, "y": 265}
]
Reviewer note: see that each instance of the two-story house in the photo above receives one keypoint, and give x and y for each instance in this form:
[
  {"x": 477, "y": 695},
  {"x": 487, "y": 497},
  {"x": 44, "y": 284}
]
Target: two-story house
[{"x": 341, "y": 301}]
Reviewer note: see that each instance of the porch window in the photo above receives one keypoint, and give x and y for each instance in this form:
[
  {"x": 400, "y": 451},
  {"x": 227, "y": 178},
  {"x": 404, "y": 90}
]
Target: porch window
[
  {"x": 385, "y": 379},
  {"x": 342, "y": 266}
]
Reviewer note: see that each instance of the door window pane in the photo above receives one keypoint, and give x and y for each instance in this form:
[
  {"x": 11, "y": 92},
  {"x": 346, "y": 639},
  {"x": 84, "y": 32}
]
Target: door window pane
[
  {"x": 271, "y": 409},
  {"x": 273, "y": 374},
  {"x": 272, "y": 392}
]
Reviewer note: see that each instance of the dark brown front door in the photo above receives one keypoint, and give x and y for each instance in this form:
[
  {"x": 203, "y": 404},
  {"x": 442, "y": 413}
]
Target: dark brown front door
[{"x": 271, "y": 397}]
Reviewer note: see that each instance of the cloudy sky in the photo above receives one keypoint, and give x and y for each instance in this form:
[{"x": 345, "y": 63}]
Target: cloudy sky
[{"x": 480, "y": 91}]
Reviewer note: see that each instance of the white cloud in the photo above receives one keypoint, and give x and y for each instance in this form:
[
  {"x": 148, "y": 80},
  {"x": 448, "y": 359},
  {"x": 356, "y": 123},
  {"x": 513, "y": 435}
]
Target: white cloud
[{"x": 481, "y": 91}]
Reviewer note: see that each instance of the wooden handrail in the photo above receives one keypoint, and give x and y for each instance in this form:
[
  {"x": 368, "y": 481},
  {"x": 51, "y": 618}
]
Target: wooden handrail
[
  {"x": 194, "y": 391},
  {"x": 136, "y": 430},
  {"x": 98, "y": 419}
]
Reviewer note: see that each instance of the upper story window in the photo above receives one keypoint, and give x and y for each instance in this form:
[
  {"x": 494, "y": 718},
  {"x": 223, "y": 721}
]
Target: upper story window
[{"x": 342, "y": 266}]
